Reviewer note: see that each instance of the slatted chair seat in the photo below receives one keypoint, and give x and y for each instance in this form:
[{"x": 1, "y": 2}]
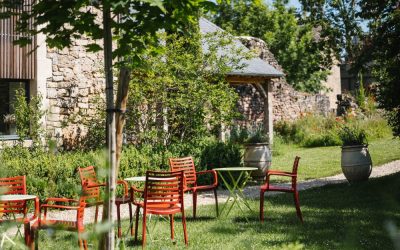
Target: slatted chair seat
[
  {"x": 186, "y": 164},
  {"x": 274, "y": 188}
]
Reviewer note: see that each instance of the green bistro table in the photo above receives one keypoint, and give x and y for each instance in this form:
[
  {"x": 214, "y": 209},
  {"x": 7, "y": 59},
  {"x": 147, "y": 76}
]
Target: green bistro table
[{"x": 235, "y": 184}]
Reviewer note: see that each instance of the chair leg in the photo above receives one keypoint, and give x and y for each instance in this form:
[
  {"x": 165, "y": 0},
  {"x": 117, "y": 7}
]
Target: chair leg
[
  {"x": 27, "y": 232},
  {"x": 96, "y": 214},
  {"x": 194, "y": 204},
  {"x": 32, "y": 240},
  {"x": 36, "y": 239},
  {"x": 80, "y": 242},
  {"x": 262, "y": 206},
  {"x": 130, "y": 218},
  {"x": 216, "y": 201},
  {"x": 119, "y": 220},
  {"x": 297, "y": 203},
  {"x": 171, "y": 224},
  {"x": 136, "y": 222},
  {"x": 184, "y": 228},
  {"x": 144, "y": 231}
]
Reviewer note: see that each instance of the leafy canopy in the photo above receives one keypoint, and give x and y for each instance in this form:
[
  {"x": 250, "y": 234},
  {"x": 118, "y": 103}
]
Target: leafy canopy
[
  {"x": 382, "y": 47},
  {"x": 304, "y": 58},
  {"x": 182, "y": 94},
  {"x": 339, "y": 24},
  {"x": 134, "y": 23}
]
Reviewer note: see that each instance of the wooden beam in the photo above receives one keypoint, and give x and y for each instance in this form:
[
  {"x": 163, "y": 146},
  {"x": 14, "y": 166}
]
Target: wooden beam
[{"x": 246, "y": 79}]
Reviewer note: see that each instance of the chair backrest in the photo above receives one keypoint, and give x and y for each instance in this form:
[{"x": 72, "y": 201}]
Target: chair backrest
[
  {"x": 295, "y": 164},
  {"x": 164, "y": 188},
  {"x": 187, "y": 165},
  {"x": 88, "y": 177},
  {"x": 13, "y": 185}
]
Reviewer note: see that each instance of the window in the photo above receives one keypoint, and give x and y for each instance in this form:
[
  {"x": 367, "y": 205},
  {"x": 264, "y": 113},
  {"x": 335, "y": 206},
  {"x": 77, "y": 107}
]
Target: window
[{"x": 8, "y": 90}]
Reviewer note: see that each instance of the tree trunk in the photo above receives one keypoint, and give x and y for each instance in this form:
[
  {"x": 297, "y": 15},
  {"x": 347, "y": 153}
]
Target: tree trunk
[
  {"x": 122, "y": 99},
  {"x": 107, "y": 240}
]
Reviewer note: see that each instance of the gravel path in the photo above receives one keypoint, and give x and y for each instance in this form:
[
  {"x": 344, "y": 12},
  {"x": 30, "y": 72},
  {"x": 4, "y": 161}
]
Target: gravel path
[{"x": 251, "y": 191}]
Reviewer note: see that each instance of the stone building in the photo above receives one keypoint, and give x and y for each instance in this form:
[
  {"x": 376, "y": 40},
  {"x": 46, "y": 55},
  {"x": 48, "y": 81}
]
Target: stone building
[{"x": 71, "y": 81}]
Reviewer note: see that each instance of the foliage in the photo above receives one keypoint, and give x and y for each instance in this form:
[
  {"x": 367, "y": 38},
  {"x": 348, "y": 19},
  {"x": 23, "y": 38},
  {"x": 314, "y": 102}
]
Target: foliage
[
  {"x": 310, "y": 131},
  {"x": 360, "y": 94},
  {"x": 355, "y": 215},
  {"x": 339, "y": 24},
  {"x": 53, "y": 174},
  {"x": 182, "y": 93},
  {"x": 352, "y": 136},
  {"x": 304, "y": 58},
  {"x": 221, "y": 154},
  {"x": 135, "y": 32},
  {"x": 28, "y": 116},
  {"x": 382, "y": 48},
  {"x": 253, "y": 134},
  {"x": 315, "y": 130}
]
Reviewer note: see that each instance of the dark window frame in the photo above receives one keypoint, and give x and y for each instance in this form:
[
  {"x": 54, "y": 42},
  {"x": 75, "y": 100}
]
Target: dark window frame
[{"x": 27, "y": 97}]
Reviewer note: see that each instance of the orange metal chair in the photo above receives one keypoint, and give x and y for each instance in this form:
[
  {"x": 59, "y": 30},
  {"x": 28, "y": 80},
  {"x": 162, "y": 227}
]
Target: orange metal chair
[
  {"x": 291, "y": 189},
  {"x": 187, "y": 165},
  {"x": 70, "y": 225},
  {"x": 163, "y": 195},
  {"x": 17, "y": 209},
  {"x": 91, "y": 190}
]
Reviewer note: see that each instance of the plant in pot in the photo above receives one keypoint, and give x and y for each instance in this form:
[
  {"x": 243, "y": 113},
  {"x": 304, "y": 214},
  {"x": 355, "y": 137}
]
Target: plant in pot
[
  {"x": 356, "y": 161},
  {"x": 257, "y": 152}
]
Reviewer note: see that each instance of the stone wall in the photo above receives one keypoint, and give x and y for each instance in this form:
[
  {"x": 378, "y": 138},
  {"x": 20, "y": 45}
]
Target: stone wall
[
  {"x": 288, "y": 104},
  {"x": 76, "y": 83}
]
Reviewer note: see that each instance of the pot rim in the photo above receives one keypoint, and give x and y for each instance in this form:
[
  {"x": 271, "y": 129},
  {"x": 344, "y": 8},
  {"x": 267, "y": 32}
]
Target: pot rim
[
  {"x": 355, "y": 146},
  {"x": 257, "y": 144}
]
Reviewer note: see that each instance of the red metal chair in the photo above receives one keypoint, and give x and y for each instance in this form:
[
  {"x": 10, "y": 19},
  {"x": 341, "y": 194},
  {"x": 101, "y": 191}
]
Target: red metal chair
[
  {"x": 163, "y": 195},
  {"x": 69, "y": 225},
  {"x": 187, "y": 165},
  {"x": 17, "y": 209},
  {"x": 291, "y": 189},
  {"x": 91, "y": 190}
]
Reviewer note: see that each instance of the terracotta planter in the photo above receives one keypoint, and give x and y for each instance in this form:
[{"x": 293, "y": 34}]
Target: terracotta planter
[
  {"x": 258, "y": 155},
  {"x": 356, "y": 163}
]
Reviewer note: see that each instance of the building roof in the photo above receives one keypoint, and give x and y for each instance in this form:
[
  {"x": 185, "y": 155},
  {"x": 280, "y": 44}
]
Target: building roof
[{"x": 252, "y": 67}]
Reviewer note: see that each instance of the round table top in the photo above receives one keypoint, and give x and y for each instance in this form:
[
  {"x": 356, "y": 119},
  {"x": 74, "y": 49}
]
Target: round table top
[
  {"x": 143, "y": 178},
  {"x": 17, "y": 197},
  {"x": 236, "y": 169},
  {"x": 136, "y": 178}
]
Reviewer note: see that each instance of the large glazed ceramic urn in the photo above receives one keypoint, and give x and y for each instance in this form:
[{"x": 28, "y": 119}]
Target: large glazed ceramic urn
[
  {"x": 356, "y": 163},
  {"x": 257, "y": 155}
]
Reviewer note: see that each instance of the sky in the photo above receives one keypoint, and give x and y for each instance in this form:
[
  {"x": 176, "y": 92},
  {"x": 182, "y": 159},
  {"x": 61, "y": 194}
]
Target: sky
[{"x": 294, "y": 3}]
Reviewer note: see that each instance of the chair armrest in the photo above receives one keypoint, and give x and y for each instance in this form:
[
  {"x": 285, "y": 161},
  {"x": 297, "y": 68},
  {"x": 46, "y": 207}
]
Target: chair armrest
[
  {"x": 213, "y": 172},
  {"x": 37, "y": 210},
  {"x": 59, "y": 206},
  {"x": 125, "y": 185},
  {"x": 59, "y": 200},
  {"x": 93, "y": 185},
  {"x": 133, "y": 191}
]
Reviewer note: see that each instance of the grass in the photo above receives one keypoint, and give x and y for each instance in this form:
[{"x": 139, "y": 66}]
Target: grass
[
  {"x": 335, "y": 217},
  {"x": 325, "y": 161}
]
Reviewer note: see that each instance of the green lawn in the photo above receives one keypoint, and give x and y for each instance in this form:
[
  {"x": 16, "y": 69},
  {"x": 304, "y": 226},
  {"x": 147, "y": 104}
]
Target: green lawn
[
  {"x": 325, "y": 161},
  {"x": 335, "y": 217}
]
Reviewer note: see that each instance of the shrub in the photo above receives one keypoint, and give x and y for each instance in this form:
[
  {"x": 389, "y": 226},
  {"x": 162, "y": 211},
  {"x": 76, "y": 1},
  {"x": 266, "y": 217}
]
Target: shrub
[
  {"x": 55, "y": 174},
  {"x": 317, "y": 131}
]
